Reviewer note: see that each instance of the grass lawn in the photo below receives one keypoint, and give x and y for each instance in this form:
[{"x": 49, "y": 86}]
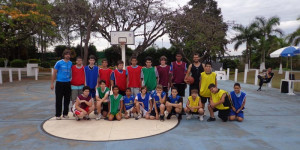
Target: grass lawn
[{"x": 275, "y": 82}]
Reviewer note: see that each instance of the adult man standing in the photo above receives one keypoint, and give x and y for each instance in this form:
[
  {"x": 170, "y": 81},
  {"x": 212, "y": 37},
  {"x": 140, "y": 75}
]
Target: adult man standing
[
  {"x": 178, "y": 70},
  {"x": 196, "y": 68},
  {"x": 62, "y": 74}
]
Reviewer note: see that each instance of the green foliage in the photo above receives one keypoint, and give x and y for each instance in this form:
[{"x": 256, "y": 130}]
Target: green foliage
[
  {"x": 45, "y": 65},
  {"x": 35, "y": 61},
  {"x": 2, "y": 64},
  {"x": 18, "y": 63},
  {"x": 228, "y": 63},
  {"x": 53, "y": 62},
  {"x": 113, "y": 54}
]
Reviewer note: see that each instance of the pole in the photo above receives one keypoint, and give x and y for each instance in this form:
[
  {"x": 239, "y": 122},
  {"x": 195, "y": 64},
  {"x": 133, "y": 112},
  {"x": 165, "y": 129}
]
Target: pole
[
  {"x": 245, "y": 75},
  {"x": 123, "y": 54},
  {"x": 255, "y": 78},
  {"x": 10, "y": 75},
  {"x": 1, "y": 82},
  {"x": 36, "y": 73},
  {"x": 19, "y": 74},
  {"x": 228, "y": 70},
  {"x": 235, "y": 75}
]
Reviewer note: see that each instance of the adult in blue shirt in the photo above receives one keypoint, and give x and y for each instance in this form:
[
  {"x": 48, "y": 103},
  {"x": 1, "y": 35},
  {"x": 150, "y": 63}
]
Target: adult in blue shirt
[{"x": 62, "y": 74}]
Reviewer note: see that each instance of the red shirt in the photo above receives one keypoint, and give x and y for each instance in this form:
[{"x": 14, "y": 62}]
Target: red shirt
[
  {"x": 134, "y": 75},
  {"x": 105, "y": 75},
  {"x": 120, "y": 79},
  {"x": 84, "y": 105},
  {"x": 78, "y": 77}
]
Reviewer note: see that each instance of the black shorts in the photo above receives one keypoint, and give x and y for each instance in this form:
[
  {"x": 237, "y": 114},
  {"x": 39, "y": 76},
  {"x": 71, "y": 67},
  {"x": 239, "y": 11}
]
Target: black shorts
[
  {"x": 223, "y": 114},
  {"x": 194, "y": 113},
  {"x": 152, "y": 113},
  {"x": 104, "y": 107},
  {"x": 204, "y": 99}
]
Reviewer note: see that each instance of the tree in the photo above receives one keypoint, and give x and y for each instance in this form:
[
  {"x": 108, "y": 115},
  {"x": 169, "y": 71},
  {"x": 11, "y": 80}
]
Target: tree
[
  {"x": 198, "y": 27},
  {"x": 246, "y": 35},
  {"x": 266, "y": 27},
  {"x": 294, "y": 38}
]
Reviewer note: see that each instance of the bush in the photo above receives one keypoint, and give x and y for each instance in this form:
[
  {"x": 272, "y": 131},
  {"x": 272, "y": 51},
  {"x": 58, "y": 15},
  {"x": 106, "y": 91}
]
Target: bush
[
  {"x": 228, "y": 63},
  {"x": 45, "y": 65},
  {"x": 34, "y": 61},
  {"x": 52, "y": 63},
  {"x": 2, "y": 64},
  {"x": 18, "y": 63}
]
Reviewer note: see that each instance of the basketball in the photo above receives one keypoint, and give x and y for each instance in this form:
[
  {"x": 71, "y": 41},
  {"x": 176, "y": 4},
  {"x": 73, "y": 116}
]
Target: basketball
[{"x": 190, "y": 80}]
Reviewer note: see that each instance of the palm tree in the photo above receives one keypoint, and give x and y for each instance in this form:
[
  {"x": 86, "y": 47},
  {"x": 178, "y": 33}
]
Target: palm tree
[
  {"x": 266, "y": 27},
  {"x": 294, "y": 38},
  {"x": 246, "y": 35}
]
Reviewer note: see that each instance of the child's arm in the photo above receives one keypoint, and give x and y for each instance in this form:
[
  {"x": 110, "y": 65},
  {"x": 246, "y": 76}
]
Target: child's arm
[
  {"x": 216, "y": 82},
  {"x": 200, "y": 83},
  {"x": 121, "y": 108},
  {"x": 105, "y": 97},
  {"x": 151, "y": 105},
  {"x": 188, "y": 104},
  {"x": 108, "y": 109},
  {"x": 77, "y": 103},
  {"x": 211, "y": 102},
  {"x": 90, "y": 103},
  {"x": 112, "y": 83},
  {"x": 243, "y": 105},
  {"x": 232, "y": 107},
  {"x": 162, "y": 100},
  {"x": 222, "y": 100},
  {"x": 187, "y": 73}
]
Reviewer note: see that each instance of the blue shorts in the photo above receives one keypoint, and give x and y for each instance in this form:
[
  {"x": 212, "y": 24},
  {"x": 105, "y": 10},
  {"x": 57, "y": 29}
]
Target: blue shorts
[
  {"x": 240, "y": 114},
  {"x": 92, "y": 93}
]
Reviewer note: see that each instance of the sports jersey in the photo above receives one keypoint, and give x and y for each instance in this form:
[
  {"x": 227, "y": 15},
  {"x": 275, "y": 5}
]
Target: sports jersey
[
  {"x": 194, "y": 103},
  {"x": 115, "y": 103},
  {"x": 63, "y": 71},
  {"x": 104, "y": 74},
  {"x": 145, "y": 100},
  {"x": 91, "y": 76},
  {"x": 78, "y": 77},
  {"x": 237, "y": 100},
  {"x": 156, "y": 98},
  {"x": 217, "y": 97},
  {"x": 206, "y": 80},
  {"x": 81, "y": 97},
  {"x": 149, "y": 75},
  {"x": 128, "y": 102},
  {"x": 176, "y": 100}
]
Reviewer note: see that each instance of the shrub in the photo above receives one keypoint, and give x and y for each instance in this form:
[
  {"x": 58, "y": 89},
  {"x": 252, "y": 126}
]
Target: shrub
[
  {"x": 35, "y": 61},
  {"x": 2, "y": 64},
  {"x": 228, "y": 63},
  {"x": 45, "y": 64},
  {"x": 18, "y": 63},
  {"x": 52, "y": 63}
]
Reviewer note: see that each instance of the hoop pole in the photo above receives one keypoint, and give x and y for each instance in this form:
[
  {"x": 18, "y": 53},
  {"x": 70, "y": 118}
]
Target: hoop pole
[{"x": 123, "y": 53}]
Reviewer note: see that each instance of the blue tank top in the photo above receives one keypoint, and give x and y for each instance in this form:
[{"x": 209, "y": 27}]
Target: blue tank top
[
  {"x": 145, "y": 100},
  {"x": 174, "y": 100},
  {"x": 237, "y": 101},
  {"x": 128, "y": 102},
  {"x": 156, "y": 98},
  {"x": 91, "y": 76}
]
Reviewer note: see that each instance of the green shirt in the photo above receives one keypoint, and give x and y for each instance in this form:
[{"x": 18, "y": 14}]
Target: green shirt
[
  {"x": 115, "y": 103},
  {"x": 149, "y": 75}
]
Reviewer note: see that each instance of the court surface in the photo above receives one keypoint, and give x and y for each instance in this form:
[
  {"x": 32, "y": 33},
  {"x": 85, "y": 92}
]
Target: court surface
[{"x": 271, "y": 122}]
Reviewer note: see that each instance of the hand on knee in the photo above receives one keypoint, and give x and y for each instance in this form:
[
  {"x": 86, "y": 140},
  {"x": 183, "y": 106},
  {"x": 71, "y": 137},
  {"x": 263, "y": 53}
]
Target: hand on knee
[{"x": 240, "y": 119}]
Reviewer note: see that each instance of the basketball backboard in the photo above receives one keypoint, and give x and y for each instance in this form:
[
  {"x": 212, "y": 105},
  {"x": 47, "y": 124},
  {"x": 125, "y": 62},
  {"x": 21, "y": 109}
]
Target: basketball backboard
[{"x": 118, "y": 37}]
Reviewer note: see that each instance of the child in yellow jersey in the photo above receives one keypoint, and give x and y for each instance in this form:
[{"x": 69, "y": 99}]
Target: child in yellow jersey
[
  {"x": 194, "y": 105},
  {"x": 219, "y": 101},
  {"x": 207, "y": 77}
]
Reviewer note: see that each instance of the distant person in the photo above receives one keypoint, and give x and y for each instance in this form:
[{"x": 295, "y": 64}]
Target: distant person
[
  {"x": 178, "y": 70},
  {"x": 238, "y": 100},
  {"x": 102, "y": 94},
  {"x": 207, "y": 77},
  {"x": 83, "y": 105},
  {"x": 194, "y": 106},
  {"x": 133, "y": 73},
  {"x": 174, "y": 104},
  {"x": 115, "y": 105},
  {"x": 219, "y": 101},
  {"x": 62, "y": 74},
  {"x": 105, "y": 72},
  {"x": 149, "y": 75},
  {"x": 78, "y": 79},
  {"x": 195, "y": 69},
  {"x": 164, "y": 74},
  {"x": 118, "y": 77},
  {"x": 91, "y": 78},
  {"x": 265, "y": 77}
]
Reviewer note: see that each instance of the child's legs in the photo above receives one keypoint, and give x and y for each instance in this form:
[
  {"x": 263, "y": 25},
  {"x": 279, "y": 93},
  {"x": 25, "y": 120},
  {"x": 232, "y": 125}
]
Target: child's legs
[
  {"x": 137, "y": 107},
  {"x": 223, "y": 114},
  {"x": 119, "y": 116},
  {"x": 187, "y": 110},
  {"x": 240, "y": 116},
  {"x": 200, "y": 111},
  {"x": 98, "y": 104},
  {"x": 169, "y": 108},
  {"x": 178, "y": 110},
  {"x": 232, "y": 115},
  {"x": 127, "y": 114},
  {"x": 90, "y": 109},
  {"x": 111, "y": 117},
  {"x": 162, "y": 108},
  {"x": 104, "y": 110},
  {"x": 211, "y": 111}
]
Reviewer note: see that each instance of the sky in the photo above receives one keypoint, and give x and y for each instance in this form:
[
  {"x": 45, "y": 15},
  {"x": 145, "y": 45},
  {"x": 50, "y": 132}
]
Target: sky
[{"x": 240, "y": 11}]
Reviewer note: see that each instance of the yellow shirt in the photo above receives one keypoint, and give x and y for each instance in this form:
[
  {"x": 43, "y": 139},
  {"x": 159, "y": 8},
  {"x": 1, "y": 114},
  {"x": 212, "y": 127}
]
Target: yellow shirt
[
  {"x": 217, "y": 97},
  {"x": 206, "y": 80},
  {"x": 194, "y": 103}
]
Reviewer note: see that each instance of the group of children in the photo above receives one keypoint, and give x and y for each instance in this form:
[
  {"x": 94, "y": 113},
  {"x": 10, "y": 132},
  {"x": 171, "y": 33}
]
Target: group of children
[{"x": 143, "y": 91}]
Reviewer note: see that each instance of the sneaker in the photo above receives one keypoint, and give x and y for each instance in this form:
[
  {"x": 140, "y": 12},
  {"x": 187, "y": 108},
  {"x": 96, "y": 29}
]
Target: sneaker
[
  {"x": 259, "y": 89},
  {"x": 169, "y": 116},
  {"x": 179, "y": 116},
  {"x": 66, "y": 116},
  {"x": 211, "y": 119},
  {"x": 162, "y": 118},
  {"x": 95, "y": 112},
  {"x": 87, "y": 117},
  {"x": 77, "y": 118},
  {"x": 201, "y": 118},
  {"x": 58, "y": 118},
  {"x": 188, "y": 116},
  {"x": 131, "y": 115},
  {"x": 138, "y": 117},
  {"x": 99, "y": 117}
]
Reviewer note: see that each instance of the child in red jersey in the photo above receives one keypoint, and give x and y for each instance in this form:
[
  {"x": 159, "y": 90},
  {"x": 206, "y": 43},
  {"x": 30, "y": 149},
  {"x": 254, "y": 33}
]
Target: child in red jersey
[
  {"x": 105, "y": 72},
  {"x": 118, "y": 77},
  {"x": 133, "y": 73},
  {"x": 83, "y": 105}
]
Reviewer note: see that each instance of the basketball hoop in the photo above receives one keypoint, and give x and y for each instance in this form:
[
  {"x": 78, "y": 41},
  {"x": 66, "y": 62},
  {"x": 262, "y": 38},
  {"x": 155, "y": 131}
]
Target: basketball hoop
[{"x": 122, "y": 43}]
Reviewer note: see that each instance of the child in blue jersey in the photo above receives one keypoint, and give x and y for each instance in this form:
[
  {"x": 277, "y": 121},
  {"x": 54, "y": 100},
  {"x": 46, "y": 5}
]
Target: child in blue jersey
[
  {"x": 239, "y": 100},
  {"x": 159, "y": 100},
  {"x": 129, "y": 104},
  {"x": 143, "y": 103},
  {"x": 174, "y": 104},
  {"x": 91, "y": 78}
]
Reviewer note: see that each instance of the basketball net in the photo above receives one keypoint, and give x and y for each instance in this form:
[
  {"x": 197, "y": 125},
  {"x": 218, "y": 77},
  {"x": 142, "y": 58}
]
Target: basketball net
[{"x": 122, "y": 43}]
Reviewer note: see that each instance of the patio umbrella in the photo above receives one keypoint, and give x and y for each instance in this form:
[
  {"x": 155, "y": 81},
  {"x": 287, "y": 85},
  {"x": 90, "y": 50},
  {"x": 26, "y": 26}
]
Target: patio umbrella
[{"x": 286, "y": 52}]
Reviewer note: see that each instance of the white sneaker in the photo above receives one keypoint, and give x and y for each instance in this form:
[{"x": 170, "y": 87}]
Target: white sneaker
[
  {"x": 138, "y": 117},
  {"x": 99, "y": 117},
  {"x": 201, "y": 118},
  {"x": 131, "y": 115},
  {"x": 188, "y": 116},
  {"x": 58, "y": 118},
  {"x": 66, "y": 116}
]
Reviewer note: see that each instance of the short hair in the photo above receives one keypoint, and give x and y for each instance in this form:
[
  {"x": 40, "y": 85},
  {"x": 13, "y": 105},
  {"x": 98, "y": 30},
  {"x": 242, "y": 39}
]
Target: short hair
[
  {"x": 163, "y": 58},
  {"x": 174, "y": 88},
  {"x": 196, "y": 54},
  {"x": 237, "y": 84},
  {"x": 159, "y": 86},
  {"x": 207, "y": 63},
  {"x": 211, "y": 86},
  {"x": 66, "y": 52},
  {"x": 133, "y": 57},
  {"x": 104, "y": 59},
  {"x": 195, "y": 91},
  {"x": 86, "y": 88},
  {"x": 129, "y": 89},
  {"x": 148, "y": 58},
  {"x": 179, "y": 53},
  {"x": 115, "y": 86},
  {"x": 143, "y": 87},
  {"x": 92, "y": 57},
  {"x": 270, "y": 68},
  {"x": 78, "y": 57},
  {"x": 120, "y": 62},
  {"x": 102, "y": 81}
]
